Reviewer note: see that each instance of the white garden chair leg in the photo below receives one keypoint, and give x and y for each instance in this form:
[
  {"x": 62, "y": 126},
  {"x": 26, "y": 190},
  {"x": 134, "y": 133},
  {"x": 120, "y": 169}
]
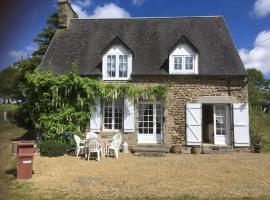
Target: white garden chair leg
[
  {"x": 98, "y": 157},
  {"x": 116, "y": 153},
  {"x": 89, "y": 155},
  {"x": 77, "y": 152}
]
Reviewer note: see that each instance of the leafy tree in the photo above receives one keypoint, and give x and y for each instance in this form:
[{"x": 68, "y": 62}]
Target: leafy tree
[
  {"x": 44, "y": 38},
  {"x": 258, "y": 88},
  {"x": 12, "y": 79},
  {"x": 8, "y": 86}
]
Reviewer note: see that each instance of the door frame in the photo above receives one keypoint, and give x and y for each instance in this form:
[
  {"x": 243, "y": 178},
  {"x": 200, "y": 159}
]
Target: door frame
[
  {"x": 228, "y": 135},
  {"x": 139, "y": 141}
]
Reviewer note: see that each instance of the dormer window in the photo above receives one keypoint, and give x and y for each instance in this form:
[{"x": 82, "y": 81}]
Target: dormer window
[
  {"x": 117, "y": 66},
  {"x": 183, "y": 59},
  {"x": 117, "y": 63},
  {"x": 183, "y": 63}
]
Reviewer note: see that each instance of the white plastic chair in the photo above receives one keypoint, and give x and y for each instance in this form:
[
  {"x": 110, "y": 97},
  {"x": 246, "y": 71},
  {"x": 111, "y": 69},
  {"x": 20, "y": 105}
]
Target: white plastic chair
[
  {"x": 79, "y": 144},
  {"x": 90, "y": 135},
  {"x": 115, "y": 144},
  {"x": 94, "y": 146}
]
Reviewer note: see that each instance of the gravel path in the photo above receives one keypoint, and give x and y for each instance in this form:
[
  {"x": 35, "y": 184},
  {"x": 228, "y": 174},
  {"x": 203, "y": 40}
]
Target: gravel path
[{"x": 207, "y": 176}]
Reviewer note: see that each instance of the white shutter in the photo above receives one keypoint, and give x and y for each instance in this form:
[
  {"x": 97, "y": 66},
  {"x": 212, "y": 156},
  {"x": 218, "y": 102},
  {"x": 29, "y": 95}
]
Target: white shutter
[
  {"x": 241, "y": 125},
  {"x": 128, "y": 115},
  {"x": 194, "y": 123},
  {"x": 95, "y": 116}
]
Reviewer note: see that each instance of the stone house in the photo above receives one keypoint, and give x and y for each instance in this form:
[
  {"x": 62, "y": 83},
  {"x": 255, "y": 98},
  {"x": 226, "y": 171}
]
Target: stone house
[{"x": 207, "y": 99}]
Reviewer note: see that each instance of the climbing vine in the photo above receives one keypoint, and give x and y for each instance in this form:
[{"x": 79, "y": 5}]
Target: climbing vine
[{"x": 61, "y": 103}]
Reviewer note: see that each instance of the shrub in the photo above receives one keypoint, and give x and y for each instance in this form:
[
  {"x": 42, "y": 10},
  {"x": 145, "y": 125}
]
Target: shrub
[
  {"x": 52, "y": 148},
  {"x": 255, "y": 126}
]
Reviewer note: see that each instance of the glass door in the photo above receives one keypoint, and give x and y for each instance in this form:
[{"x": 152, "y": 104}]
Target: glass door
[
  {"x": 221, "y": 126},
  {"x": 149, "y": 122}
]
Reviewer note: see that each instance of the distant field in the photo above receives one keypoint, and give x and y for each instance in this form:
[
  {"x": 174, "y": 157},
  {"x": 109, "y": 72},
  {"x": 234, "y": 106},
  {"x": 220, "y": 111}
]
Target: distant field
[
  {"x": 8, "y": 107},
  {"x": 266, "y": 131}
]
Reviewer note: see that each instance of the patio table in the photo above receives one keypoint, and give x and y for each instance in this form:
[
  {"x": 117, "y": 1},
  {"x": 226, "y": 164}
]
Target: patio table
[{"x": 104, "y": 146}]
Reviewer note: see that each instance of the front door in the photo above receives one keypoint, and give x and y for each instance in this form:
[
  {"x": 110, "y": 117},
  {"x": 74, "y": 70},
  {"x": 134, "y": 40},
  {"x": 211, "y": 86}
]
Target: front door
[
  {"x": 149, "y": 122},
  {"x": 221, "y": 124}
]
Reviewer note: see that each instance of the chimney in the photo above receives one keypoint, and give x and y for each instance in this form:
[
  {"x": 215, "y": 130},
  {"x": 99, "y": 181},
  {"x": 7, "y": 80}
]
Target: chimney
[{"x": 65, "y": 12}]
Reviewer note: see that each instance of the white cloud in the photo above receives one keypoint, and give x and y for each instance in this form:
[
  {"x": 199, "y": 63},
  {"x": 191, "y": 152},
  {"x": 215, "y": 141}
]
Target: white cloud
[
  {"x": 79, "y": 10},
  {"x": 31, "y": 48},
  {"x": 109, "y": 10},
  {"x": 18, "y": 54},
  {"x": 83, "y": 3},
  {"x": 261, "y": 8},
  {"x": 138, "y": 2},
  {"x": 259, "y": 56}
]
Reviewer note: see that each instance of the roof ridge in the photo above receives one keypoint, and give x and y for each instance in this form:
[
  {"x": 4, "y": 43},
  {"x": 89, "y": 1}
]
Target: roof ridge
[{"x": 173, "y": 17}]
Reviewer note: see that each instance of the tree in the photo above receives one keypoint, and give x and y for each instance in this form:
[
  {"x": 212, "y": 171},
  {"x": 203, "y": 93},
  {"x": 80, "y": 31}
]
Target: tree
[
  {"x": 12, "y": 79},
  {"x": 8, "y": 88},
  {"x": 44, "y": 38},
  {"x": 258, "y": 88}
]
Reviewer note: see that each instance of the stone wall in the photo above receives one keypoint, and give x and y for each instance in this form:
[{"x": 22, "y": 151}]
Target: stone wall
[
  {"x": 186, "y": 89},
  {"x": 65, "y": 12}
]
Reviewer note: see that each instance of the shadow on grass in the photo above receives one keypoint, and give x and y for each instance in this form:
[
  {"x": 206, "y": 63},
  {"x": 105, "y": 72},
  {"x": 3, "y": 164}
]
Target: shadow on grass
[
  {"x": 29, "y": 135},
  {"x": 12, "y": 172}
]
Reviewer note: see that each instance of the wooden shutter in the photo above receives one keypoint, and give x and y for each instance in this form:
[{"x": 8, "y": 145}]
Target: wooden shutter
[
  {"x": 194, "y": 124},
  {"x": 128, "y": 115},
  {"x": 241, "y": 125},
  {"x": 95, "y": 116}
]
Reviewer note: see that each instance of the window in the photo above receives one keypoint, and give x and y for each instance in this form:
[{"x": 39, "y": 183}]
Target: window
[
  {"x": 113, "y": 115},
  {"x": 149, "y": 118},
  {"x": 111, "y": 66},
  {"x": 186, "y": 61},
  {"x": 189, "y": 63},
  {"x": 220, "y": 119},
  {"x": 116, "y": 63},
  {"x": 183, "y": 60},
  {"x": 117, "y": 66},
  {"x": 178, "y": 63},
  {"x": 123, "y": 66}
]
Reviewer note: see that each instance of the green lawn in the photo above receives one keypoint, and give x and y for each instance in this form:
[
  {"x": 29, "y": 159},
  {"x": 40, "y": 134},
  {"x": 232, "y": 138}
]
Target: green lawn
[
  {"x": 8, "y": 107},
  {"x": 266, "y": 131}
]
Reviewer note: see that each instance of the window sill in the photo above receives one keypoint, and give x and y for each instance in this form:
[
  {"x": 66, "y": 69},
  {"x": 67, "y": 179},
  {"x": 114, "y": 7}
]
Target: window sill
[{"x": 183, "y": 72}]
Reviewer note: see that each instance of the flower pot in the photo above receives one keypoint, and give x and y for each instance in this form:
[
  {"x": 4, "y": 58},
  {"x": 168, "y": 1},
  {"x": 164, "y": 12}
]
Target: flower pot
[{"x": 257, "y": 148}]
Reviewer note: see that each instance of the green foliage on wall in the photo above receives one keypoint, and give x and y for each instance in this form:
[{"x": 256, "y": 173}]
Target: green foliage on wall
[{"x": 61, "y": 103}]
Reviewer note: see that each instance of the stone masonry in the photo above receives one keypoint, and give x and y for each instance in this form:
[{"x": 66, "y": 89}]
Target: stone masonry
[
  {"x": 187, "y": 89},
  {"x": 65, "y": 12}
]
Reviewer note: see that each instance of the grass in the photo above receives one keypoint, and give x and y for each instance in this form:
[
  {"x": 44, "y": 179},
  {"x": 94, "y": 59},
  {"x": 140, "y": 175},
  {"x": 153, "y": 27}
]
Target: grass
[
  {"x": 266, "y": 131},
  {"x": 244, "y": 176},
  {"x": 8, "y": 107}
]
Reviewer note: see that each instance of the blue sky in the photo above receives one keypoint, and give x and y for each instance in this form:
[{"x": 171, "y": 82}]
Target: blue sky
[{"x": 248, "y": 21}]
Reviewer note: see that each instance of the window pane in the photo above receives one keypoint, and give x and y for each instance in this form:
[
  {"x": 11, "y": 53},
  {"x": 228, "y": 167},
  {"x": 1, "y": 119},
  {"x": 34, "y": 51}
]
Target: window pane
[
  {"x": 178, "y": 63},
  {"x": 111, "y": 64},
  {"x": 113, "y": 115},
  {"x": 123, "y": 66},
  {"x": 189, "y": 63}
]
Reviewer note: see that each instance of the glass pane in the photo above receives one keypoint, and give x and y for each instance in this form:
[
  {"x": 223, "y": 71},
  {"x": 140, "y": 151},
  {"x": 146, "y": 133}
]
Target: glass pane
[
  {"x": 178, "y": 63},
  {"x": 113, "y": 115},
  {"x": 123, "y": 66},
  {"x": 111, "y": 64},
  {"x": 189, "y": 63}
]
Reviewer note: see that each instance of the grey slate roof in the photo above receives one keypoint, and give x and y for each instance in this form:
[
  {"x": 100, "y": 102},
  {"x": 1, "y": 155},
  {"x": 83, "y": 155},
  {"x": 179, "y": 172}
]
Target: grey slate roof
[{"x": 150, "y": 40}]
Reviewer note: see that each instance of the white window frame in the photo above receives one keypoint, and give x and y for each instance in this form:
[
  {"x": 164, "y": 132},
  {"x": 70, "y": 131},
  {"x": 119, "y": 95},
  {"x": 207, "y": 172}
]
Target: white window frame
[
  {"x": 113, "y": 117},
  {"x": 154, "y": 134},
  {"x": 183, "y": 51},
  {"x": 184, "y": 63},
  {"x": 117, "y": 50}
]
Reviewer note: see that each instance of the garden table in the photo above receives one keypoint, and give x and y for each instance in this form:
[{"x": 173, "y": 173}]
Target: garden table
[{"x": 104, "y": 146}]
